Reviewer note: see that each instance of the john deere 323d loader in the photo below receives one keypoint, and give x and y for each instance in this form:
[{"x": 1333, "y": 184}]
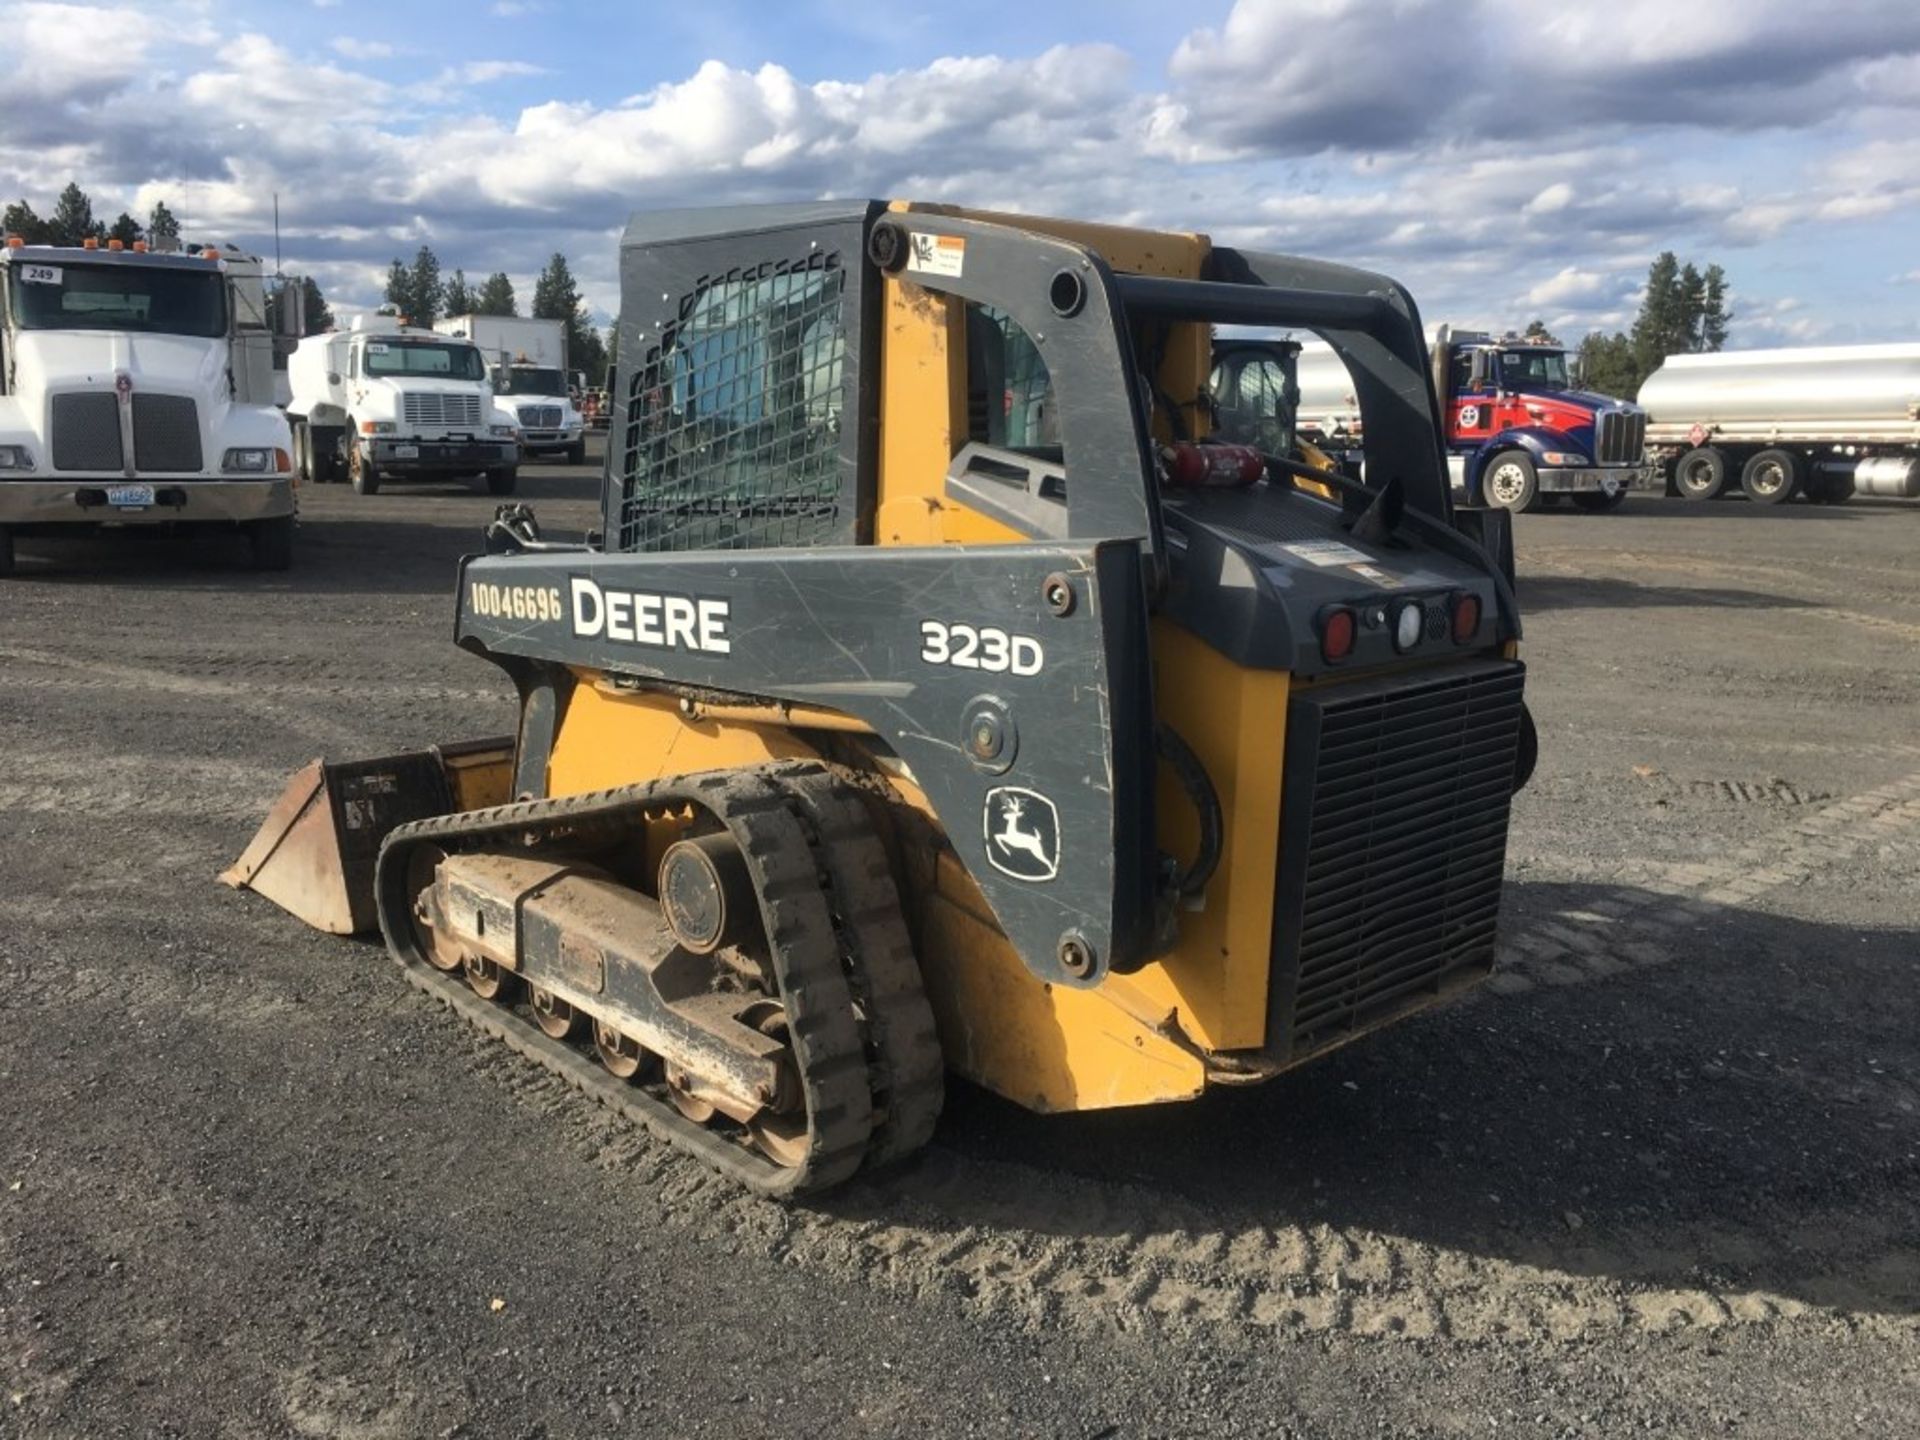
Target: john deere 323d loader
[{"x": 939, "y": 697}]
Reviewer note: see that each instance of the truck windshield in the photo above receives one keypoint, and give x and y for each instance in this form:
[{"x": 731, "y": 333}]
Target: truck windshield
[
  {"x": 526, "y": 380},
  {"x": 1534, "y": 370},
  {"x": 412, "y": 357},
  {"x": 150, "y": 298}
]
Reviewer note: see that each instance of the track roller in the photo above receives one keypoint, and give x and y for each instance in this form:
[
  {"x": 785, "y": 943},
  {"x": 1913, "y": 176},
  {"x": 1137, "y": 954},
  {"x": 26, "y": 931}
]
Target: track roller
[{"x": 751, "y": 997}]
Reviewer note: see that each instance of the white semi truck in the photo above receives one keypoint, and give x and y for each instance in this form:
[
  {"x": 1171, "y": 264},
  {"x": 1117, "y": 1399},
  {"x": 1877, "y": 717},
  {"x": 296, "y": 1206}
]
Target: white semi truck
[
  {"x": 136, "y": 389},
  {"x": 1827, "y": 422},
  {"x": 528, "y": 362},
  {"x": 385, "y": 400}
]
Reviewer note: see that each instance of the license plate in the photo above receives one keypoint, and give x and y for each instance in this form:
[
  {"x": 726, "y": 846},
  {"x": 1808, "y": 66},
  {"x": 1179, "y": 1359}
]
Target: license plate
[
  {"x": 406, "y": 452},
  {"x": 130, "y": 497}
]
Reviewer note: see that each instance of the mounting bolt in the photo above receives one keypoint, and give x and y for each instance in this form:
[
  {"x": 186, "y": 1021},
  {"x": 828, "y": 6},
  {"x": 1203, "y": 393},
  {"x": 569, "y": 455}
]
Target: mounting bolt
[
  {"x": 1076, "y": 955},
  {"x": 988, "y": 734},
  {"x": 1057, "y": 590},
  {"x": 887, "y": 246}
]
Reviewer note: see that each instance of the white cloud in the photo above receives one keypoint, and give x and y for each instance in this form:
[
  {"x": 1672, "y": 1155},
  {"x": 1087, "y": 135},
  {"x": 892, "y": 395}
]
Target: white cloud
[
  {"x": 1340, "y": 127},
  {"x": 73, "y": 52},
  {"x": 361, "y": 49}
]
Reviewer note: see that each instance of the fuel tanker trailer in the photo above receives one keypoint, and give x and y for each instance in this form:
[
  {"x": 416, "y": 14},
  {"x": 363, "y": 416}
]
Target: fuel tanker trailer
[
  {"x": 939, "y": 693},
  {"x": 1827, "y": 422}
]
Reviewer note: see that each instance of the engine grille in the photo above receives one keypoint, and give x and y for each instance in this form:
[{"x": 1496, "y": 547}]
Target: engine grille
[
  {"x": 434, "y": 407},
  {"x": 166, "y": 434},
  {"x": 1619, "y": 436},
  {"x": 86, "y": 431},
  {"x": 1394, "y": 842},
  {"x": 540, "y": 417}
]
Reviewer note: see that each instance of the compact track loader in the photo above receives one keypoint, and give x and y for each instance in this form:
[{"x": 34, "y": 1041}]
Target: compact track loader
[{"x": 939, "y": 696}]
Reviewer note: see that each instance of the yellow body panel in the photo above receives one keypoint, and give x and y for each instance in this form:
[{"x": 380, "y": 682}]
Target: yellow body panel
[
  {"x": 1236, "y": 721},
  {"x": 610, "y": 738}
]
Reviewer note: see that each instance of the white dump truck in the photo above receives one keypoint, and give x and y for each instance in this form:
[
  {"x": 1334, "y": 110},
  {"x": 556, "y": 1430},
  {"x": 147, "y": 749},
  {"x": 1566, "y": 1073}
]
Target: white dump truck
[
  {"x": 1826, "y": 422},
  {"x": 527, "y": 359},
  {"x": 136, "y": 389},
  {"x": 389, "y": 401}
]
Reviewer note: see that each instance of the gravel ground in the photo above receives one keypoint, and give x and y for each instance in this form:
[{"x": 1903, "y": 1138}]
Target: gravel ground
[{"x": 1658, "y": 1177}]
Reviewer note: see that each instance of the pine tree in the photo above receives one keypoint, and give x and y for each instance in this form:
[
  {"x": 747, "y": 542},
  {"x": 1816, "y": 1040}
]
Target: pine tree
[
  {"x": 1607, "y": 365},
  {"x": 427, "y": 291},
  {"x": 163, "y": 230},
  {"x": 125, "y": 229},
  {"x": 1660, "y": 327},
  {"x": 556, "y": 296},
  {"x": 496, "y": 297},
  {"x": 72, "y": 220},
  {"x": 319, "y": 313},
  {"x": 19, "y": 219},
  {"x": 1714, "y": 319},
  {"x": 459, "y": 299},
  {"x": 400, "y": 287}
]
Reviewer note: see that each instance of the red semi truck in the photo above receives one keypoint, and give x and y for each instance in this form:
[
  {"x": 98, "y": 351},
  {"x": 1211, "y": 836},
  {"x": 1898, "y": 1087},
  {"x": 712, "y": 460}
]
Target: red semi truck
[{"x": 1520, "y": 432}]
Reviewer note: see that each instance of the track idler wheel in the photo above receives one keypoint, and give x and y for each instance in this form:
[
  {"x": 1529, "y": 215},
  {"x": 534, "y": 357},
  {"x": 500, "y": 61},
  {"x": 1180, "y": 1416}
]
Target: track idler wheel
[
  {"x": 490, "y": 980},
  {"x": 620, "y": 1054},
  {"x": 553, "y": 1015},
  {"x": 706, "y": 893}
]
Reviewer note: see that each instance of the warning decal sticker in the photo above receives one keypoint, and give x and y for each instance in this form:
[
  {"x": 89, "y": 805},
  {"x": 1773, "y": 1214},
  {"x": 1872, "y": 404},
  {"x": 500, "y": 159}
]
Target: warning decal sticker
[{"x": 936, "y": 254}]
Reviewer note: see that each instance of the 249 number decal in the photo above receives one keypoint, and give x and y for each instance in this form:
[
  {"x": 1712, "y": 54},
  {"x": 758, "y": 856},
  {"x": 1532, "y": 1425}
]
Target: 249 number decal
[{"x": 980, "y": 647}]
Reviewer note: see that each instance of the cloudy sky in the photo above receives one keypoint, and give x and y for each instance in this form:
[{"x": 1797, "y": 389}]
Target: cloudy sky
[{"x": 1505, "y": 161}]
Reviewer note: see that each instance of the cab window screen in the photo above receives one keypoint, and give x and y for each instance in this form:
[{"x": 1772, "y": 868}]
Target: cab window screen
[{"x": 733, "y": 430}]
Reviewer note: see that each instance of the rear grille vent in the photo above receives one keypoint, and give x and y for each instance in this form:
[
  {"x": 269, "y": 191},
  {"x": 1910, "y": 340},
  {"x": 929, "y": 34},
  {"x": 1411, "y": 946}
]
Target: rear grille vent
[
  {"x": 1620, "y": 436},
  {"x": 86, "y": 432},
  {"x": 1393, "y": 846},
  {"x": 166, "y": 434},
  {"x": 432, "y": 407}
]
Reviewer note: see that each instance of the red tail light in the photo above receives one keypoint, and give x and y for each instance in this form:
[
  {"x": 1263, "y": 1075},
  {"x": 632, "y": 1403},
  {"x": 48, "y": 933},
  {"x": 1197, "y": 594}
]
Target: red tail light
[
  {"x": 1337, "y": 631},
  {"x": 1466, "y": 618}
]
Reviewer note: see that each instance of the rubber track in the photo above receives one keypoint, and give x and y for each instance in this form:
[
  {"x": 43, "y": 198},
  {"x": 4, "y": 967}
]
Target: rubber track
[
  {"x": 908, "y": 1070},
  {"x": 828, "y": 1048}
]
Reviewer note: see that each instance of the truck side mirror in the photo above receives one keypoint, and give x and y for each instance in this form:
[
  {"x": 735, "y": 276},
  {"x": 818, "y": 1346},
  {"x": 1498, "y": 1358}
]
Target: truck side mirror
[{"x": 290, "y": 311}]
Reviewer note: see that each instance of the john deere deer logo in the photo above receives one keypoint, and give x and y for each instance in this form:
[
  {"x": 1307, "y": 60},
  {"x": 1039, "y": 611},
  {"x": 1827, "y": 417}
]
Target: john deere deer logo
[{"x": 1022, "y": 833}]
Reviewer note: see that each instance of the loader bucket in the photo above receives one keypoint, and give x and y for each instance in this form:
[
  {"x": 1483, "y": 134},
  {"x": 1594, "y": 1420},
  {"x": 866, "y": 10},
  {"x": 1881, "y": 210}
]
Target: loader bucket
[{"x": 314, "y": 854}]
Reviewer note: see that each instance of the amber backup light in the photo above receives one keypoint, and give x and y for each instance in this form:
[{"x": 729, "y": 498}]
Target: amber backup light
[{"x": 1466, "y": 618}]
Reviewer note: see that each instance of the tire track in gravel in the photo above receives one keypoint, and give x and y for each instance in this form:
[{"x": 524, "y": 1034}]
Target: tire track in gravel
[
  {"x": 1045, "y": 1249},
  {"x": 237, "y": 687},
  {"x": 1622, "y": 935}
]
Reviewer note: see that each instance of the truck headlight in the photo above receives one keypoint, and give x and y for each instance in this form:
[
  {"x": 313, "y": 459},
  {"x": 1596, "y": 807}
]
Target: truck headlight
[
  {"x": 1563, "y": 457},
  {"x": 502, "y": 432},
  {"x": 15, "y": 457},
  {"x": 376, "y": 427},
  {"x": 248, "y": 460}
]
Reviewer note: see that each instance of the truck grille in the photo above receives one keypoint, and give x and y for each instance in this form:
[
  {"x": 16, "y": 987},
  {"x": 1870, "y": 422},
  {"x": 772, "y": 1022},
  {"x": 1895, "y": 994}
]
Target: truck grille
[
  {"x": 166, "y": 434},
  {"x": 540, "y": 417},
  {"x": 431, "y": 407},
  {"x": 1393, "y": 845},
  {"x": 86, "y": 431},
  {"x": 1619, "y": 436}
]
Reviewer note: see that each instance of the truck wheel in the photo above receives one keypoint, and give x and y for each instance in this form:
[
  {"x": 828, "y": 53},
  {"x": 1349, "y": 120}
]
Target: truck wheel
[
  {"x": 6, "y": 549},
  {"x": 577, "y": 453},
  {"x": 1599, "y": 501},
  {"x": 272, "y": 542},
  {"x": 501, "y": 479},
  {"x": 1700, "y": 474},
  {"x": 323, "y": 453},
  {"x": 302, "y": 453},
  {"x": 361, "y": 469},
  {"x": 1510, "y": 482},
  {"x": 1772, "y": 477}
]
